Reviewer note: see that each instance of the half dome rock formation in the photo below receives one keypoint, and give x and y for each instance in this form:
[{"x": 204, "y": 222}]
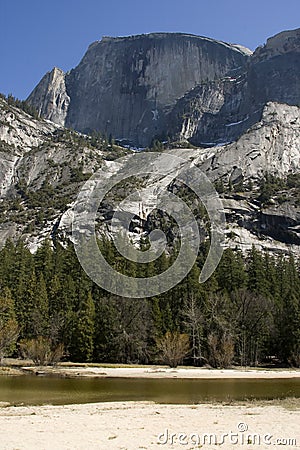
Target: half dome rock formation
[
  {"x": 127, "y": 86},
  {"x": 172, "y": 85}
]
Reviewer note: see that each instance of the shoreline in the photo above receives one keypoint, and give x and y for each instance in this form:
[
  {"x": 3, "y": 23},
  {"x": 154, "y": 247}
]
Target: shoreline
[
  {"x": 161, "y": 372},
  {"x": 147, "y": 425}
]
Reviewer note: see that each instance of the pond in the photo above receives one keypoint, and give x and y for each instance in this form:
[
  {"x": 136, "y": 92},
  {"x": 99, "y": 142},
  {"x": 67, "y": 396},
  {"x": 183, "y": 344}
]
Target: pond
[{"x": 34, "y": 390}]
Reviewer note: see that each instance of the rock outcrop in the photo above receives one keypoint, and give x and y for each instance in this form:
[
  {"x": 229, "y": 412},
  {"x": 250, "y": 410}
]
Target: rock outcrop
[
  {"x": 43, "y": 166},
  {"x": 222, "y": 110},
  {"x": 126, "y": 86},
  {"x": 272, "y": 146},
  {"x": 176, "y": 86},
  {"x": 50, "y": 97}
]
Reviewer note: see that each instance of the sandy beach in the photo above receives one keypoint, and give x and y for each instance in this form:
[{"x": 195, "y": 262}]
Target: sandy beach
[
  {"x": 140, "y": 425},
  {"x": 164, "y": 372}
]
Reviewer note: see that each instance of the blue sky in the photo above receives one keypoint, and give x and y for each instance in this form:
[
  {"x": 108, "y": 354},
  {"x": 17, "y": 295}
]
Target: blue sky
[{"x": 38, "y": 35}]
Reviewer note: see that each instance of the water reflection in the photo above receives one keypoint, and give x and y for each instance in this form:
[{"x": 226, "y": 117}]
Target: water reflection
[{"x": 32, "y": 390}]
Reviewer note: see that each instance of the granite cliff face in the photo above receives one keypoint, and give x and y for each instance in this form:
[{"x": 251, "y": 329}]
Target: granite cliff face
[
  {"x": 50, "y": 97},
  {"x": 126, "y": 86},
  {"x": 43, "y": 166},
  {"x": 270, "y": 147},
  {"x": 179, "y": 86},
  {"x": 220, "y": 111}
]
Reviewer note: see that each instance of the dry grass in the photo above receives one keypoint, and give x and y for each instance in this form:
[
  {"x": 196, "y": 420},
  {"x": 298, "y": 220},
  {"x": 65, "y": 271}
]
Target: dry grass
[{"x": 5, "y": 370}]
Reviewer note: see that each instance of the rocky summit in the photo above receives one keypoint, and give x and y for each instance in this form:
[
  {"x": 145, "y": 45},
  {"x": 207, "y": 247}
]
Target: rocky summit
[
  {"x": 127, "y": 86},
  {"x": 171, "y": 85}
]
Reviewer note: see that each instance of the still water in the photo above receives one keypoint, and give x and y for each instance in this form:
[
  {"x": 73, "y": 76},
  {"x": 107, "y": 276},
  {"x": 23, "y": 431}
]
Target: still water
[{"x": 33, "y": 390}]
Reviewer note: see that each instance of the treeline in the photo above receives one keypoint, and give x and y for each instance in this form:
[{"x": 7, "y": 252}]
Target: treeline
[
  {"x": 247, "y": 313},
  {"x": 21, "y": 104}
]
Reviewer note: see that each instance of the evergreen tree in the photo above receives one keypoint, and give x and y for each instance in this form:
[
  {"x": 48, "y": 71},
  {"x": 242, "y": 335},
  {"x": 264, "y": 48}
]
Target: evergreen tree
[
  {"x": 8, "y": 324},
  {"x": 44, "y": 260},
  {"x": 25, "y": 293},
  {"x": 106, "y": 328},
  {"x": 83, "y": 331},
  {"x": 231, "y": 274},
  {"x": 250, "y": 305},
  {"x": 288, "y": 313},
  {"x": 257, "y": 281},
  {"x": 40, "y": 310},
  {"x": 7, "y": 264}
]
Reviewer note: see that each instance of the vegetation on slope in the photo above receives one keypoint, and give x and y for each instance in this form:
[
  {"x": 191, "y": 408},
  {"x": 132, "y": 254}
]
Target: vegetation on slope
[{"x": 247, "y": 313}]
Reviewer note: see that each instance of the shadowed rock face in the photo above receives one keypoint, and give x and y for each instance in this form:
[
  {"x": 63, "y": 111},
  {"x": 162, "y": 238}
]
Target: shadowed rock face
[
  {"x": 172, "y": 85},
  {"x": 126, "y": 86},
  {"x": 222, "y": 110}
]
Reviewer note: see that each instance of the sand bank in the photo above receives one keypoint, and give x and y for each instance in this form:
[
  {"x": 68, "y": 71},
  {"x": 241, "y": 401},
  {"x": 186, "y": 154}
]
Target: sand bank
[
  {"x": 140, "y": 425},
  {"x": 159, "y": 372}
]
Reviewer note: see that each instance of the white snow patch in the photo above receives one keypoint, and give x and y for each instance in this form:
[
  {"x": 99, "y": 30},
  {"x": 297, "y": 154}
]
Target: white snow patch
[
  {"x": 221, "y": 144},
  {"x": 236, "y": 123}
]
